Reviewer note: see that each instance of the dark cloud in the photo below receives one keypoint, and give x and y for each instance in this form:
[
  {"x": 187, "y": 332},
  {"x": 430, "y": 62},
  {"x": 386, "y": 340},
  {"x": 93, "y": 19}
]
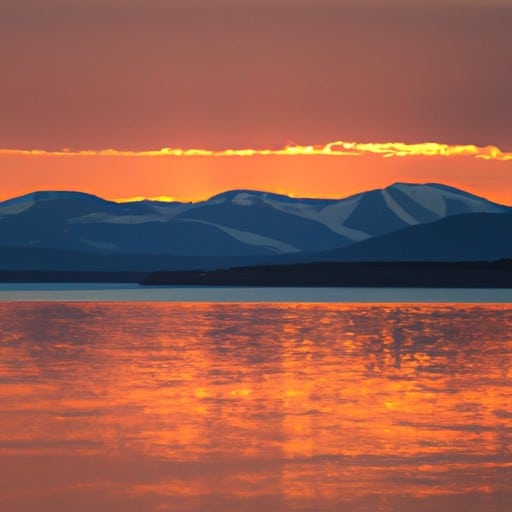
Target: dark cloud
[{"x": 99, "y": 74}]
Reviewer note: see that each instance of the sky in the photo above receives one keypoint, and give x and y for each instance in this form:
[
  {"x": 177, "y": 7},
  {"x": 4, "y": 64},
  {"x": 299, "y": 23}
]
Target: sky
[{"x": 137, "y": 76}]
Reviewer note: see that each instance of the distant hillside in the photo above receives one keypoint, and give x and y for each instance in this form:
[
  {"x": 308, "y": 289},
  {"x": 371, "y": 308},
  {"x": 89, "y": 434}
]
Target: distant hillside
[
  {"x": 23, "y": 258},
  {"x": 73, "y": 230},
  {"x": 470, "y": 237}
]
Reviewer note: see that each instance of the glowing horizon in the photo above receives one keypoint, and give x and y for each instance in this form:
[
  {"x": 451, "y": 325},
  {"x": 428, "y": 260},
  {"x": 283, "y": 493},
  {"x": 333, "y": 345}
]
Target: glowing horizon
[
  {"x": 333, "y": 170},
  {"x": 336, "y": 148},
  {"x": 185, "y": 103}
]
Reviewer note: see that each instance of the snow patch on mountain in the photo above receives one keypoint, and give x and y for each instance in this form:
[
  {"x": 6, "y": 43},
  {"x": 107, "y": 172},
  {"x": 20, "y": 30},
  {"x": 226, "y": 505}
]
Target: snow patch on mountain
[
  {"x": 105, "y": 218},
  {"x": 435, "y": 198},
  {"x": 331, "y": 216},
  {"x": 243, "y": 199},
  {"x": 170, "y": 210},
  {"x": 249, "y": 238},
  {"x": 335, "y": 215},
  {"x": 14, "y": 208},
  {"x": 428, "y": 197},
  {"x": 397, "y": 209}
]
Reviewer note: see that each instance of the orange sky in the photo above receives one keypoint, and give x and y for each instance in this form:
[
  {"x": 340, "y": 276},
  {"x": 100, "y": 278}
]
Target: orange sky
[
  {"x": 138, "y": 75},
  {"x": 198, "y": 177}
]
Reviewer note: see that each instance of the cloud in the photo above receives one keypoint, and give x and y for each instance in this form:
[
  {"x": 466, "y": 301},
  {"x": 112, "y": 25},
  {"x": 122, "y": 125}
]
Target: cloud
[{"x": 336, "y": 148}]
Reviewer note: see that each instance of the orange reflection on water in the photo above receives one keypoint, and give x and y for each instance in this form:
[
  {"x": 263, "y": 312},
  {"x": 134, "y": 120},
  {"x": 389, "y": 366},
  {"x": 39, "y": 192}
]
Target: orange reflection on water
[{"x": 275, "y": 407}]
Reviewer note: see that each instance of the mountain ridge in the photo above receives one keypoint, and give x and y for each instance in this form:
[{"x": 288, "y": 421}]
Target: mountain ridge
[
  {"x": 234, "y": 226},
  {"x": 47, "y": 193}
]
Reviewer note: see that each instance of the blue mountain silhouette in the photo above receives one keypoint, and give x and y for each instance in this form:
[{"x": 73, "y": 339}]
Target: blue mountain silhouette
[{"x": 402, "y": 221}]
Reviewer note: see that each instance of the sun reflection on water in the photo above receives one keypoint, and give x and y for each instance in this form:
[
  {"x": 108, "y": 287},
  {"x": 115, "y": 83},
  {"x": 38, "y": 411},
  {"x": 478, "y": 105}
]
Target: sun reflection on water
[{"x": 285, "y": 407}]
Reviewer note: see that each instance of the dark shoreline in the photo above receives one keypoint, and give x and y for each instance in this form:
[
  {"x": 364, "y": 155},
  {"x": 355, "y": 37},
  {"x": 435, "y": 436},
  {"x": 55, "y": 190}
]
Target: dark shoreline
[
  {"x": 497, "y": 274},
  {"x": 382, "y": 274}
]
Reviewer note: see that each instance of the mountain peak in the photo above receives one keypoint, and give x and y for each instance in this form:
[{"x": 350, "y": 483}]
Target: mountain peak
[
  {"x": 48, "y": 195},
  {"x": 247, "y": 197},
  {"x": 441, "y": 188}
]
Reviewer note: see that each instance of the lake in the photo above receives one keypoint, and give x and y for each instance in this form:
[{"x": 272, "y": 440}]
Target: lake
[
  {"x": 108, "y": 292},
  {"x": 249, "y": 407}
]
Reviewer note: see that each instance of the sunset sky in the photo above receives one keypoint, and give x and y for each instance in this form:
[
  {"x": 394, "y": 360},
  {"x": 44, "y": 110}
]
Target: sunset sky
[{"x": 136, "y": 76}]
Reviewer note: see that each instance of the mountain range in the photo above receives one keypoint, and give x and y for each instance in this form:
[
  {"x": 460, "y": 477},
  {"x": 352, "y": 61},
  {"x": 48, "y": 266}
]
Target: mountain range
[{"x": 402, "y": 222}]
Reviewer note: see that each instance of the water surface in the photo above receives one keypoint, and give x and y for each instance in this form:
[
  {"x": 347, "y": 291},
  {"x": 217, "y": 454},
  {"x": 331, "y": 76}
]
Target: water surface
[
  {"x": 247, "y": 407},
  {"x": 108, "y": 292}
]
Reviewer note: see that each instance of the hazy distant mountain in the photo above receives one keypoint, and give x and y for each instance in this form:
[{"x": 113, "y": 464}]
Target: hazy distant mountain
[
  {"x": 28, "y": 258},
  {"x": 468, "y": 237},
  {"x": 239, "y": 225}
]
